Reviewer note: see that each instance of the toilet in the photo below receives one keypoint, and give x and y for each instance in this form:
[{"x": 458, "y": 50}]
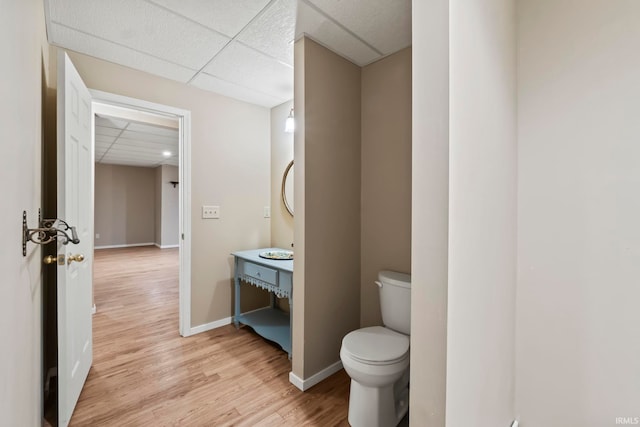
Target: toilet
[{"x": 377, "y": 358}]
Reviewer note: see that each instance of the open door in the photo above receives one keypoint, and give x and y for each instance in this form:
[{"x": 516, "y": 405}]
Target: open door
[{"x": 75, "y": 206}]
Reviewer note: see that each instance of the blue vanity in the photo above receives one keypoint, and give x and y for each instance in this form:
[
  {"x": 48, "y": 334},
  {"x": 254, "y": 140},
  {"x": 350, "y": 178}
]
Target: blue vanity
[{"x": 274, "y": 275}]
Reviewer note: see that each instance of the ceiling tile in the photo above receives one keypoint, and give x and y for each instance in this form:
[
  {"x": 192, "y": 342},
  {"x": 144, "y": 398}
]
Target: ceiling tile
[
  {"x": 225, "y": 16},
  {"x": 154, "y": 130},
  {"x": 273, "y": 31},
  {"x": 312, "y": 23},
  {"x": 110, "y": 122},
  {"x": 137, "y": 146},
  {"x": 246, "y": 67},
  {"x": 384, "y": 24},
  {"x": 104, "y": 131},
  {"x": 148, "y": 137},
  {"x": 128, "y": 154},
  {"x": 102, "y": 145},
  {"x": 125, "y": 162},
  {"x": 144, "y": 27},
  {"x": 232, "y": 90},
  {"x": 147, "y": 147},
  {"x": 103, "y": 49},
  {"x": 106, "y": 139}
]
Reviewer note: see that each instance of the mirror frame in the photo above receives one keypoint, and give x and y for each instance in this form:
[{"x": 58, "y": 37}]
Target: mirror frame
[{"x": 284, "y": 194}]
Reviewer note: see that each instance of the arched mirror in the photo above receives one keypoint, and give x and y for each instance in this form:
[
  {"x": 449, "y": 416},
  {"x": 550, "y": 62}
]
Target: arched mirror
[{"x": 287, "y": 188}]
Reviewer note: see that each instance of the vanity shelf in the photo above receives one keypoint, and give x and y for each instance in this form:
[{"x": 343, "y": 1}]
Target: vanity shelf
[
  {"x": 276, "y": 276},
  {"x": 270, "y": 323}
]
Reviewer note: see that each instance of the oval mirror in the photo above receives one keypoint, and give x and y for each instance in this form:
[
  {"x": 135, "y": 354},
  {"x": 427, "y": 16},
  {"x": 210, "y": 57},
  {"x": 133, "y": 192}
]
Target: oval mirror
[{"x": 287, "y": 188}]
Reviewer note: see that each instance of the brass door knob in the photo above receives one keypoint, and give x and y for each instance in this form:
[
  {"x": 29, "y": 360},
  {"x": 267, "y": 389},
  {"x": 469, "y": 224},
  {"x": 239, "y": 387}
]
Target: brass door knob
[
  {"x": 50, "y": 259},
  {"x": 76, "y": 258}
]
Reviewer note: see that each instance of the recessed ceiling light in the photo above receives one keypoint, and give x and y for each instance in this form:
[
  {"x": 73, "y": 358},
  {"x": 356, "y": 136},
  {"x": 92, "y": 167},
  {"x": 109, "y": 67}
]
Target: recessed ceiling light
[{"x": 166, "y": 153}]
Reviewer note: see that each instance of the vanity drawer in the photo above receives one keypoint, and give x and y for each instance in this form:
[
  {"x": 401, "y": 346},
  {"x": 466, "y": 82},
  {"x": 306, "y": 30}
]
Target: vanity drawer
[{"x": 260, "y": 272}]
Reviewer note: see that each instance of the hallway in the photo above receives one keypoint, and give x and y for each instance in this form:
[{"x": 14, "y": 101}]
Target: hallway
[{"x": 144, "y": 373}]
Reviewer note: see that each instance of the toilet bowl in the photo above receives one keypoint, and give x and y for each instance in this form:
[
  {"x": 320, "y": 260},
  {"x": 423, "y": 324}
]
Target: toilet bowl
[{"x": 377, "y": 359}]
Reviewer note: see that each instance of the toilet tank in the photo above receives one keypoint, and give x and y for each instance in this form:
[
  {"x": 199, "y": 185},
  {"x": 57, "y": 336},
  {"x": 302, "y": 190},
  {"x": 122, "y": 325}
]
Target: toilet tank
[{"x": 395, "y": 300}]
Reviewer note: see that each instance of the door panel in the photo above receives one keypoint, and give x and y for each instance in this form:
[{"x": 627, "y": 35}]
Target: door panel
[{"x": 75, "y": 206}]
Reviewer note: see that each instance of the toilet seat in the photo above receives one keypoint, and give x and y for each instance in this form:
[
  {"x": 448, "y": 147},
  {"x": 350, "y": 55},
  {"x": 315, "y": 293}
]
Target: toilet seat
[{"x": 376, "y": 345}]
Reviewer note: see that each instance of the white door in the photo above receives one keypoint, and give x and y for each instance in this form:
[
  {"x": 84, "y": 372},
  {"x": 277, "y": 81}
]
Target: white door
[{"x": 75, "y": 206}]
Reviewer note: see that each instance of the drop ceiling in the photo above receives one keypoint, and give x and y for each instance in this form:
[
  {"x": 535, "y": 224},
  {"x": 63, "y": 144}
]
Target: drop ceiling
[
  {"x": 238, "y": 48},
  {"x": 130, "y": 143}
]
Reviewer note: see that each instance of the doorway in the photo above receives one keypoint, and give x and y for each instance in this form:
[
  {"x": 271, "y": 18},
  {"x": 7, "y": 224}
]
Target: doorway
[{"x": 131, "y": 110}]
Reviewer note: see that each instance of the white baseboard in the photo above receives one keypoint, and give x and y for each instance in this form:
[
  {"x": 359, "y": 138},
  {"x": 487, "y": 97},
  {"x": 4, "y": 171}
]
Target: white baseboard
[
  {"x": 315, "y": 378},
  {"x": 94, "y": 309},
  {"x": 209, "y": 326},
  {"x": 130, "y": 245},
  {"x": 166, "y": 246}
]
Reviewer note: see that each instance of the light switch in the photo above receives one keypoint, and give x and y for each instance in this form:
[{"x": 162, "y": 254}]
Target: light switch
[
  {"x": 267, "y": 212},
  {"x": 210, "y": 212}
]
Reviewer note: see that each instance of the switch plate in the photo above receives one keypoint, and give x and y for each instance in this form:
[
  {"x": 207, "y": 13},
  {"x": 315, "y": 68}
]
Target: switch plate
[
  {"x": 210, "y": 212},
  {"x": 267, "y": 212}
]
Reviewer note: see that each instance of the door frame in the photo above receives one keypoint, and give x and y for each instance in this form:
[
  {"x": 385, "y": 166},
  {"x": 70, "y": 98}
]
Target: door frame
[{"x": 184, "y": 162}]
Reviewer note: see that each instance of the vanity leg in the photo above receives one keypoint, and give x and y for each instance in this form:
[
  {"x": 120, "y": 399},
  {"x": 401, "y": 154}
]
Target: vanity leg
[{"x": 236, "y": 311}]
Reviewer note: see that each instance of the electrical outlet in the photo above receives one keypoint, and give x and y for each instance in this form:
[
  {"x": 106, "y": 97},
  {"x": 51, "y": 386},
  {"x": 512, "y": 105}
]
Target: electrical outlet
[
  {"x": 267, "y": 212},
  {"x": 210, "y": 212},
  {"x": 97, "y": 235}
]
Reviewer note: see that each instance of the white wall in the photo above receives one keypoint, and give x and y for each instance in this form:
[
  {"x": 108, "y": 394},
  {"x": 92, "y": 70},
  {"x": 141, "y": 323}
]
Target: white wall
[
  {"x": 578, "y": 347},
  {"x": 482, "y": 214},
  {"x": 430, "y": 183},
  {"x": 24, "y": 59}
]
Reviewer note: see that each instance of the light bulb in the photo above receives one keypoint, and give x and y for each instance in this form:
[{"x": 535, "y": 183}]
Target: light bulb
[{"x": 289, "y": 124}]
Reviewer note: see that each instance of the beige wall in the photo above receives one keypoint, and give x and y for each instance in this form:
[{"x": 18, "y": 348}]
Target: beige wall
[
  {"x": 429, "y": 236},
  {"x": 170, "y": 206},
  {"x": 386, "y": 176},
  {"x": 230, "y": 148},
  {"x": 578, "y": 213},
  {"x": 482, "y": 213},
  {"x": 281, "y": 155},
  {"x": 124, "y": 205},
  {"x": 23, "y": 81},
  {"x": 330, "y": 220}
]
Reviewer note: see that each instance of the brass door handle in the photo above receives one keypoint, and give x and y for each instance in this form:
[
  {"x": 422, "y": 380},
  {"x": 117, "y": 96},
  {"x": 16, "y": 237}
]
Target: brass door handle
[
  {"x": 50, "y": 259},
  {"x": 76, "y": 258}
]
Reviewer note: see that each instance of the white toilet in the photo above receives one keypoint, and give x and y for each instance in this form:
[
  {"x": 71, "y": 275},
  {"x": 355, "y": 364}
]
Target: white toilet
[{"x": 377, "y": 358}]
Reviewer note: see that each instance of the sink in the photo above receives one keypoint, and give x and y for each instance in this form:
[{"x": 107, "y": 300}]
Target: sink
[{"x": 277, "y": 255}]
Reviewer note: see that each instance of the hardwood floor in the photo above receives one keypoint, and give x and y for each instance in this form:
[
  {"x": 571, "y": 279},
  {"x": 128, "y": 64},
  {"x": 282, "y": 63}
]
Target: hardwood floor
[{"x": 145, "y": 374}]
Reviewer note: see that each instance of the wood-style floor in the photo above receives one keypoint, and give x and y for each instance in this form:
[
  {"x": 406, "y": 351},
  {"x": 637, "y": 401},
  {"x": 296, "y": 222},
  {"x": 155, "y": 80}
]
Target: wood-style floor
[{"x": 145, "y": 374}]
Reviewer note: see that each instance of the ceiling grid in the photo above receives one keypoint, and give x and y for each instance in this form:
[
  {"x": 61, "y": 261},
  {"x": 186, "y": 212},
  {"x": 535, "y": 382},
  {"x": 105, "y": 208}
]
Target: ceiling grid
[{"x": 242, "y": 49}]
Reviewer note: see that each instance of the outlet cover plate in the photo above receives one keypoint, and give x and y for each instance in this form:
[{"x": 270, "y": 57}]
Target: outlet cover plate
[{"x": 210, "y": 212}]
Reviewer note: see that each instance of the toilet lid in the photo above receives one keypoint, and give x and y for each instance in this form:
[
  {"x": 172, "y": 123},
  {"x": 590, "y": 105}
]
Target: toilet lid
[{"x": 376, "y": 345}]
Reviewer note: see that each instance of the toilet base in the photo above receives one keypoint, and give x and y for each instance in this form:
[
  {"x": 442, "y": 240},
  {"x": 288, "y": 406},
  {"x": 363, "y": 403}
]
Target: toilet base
[{"x": 377, "y": 406}]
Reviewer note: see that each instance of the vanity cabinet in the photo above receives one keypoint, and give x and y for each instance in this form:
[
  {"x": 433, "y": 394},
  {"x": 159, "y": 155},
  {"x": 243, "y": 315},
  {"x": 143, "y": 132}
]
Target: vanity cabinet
[{"x": 276, "y": 276}]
